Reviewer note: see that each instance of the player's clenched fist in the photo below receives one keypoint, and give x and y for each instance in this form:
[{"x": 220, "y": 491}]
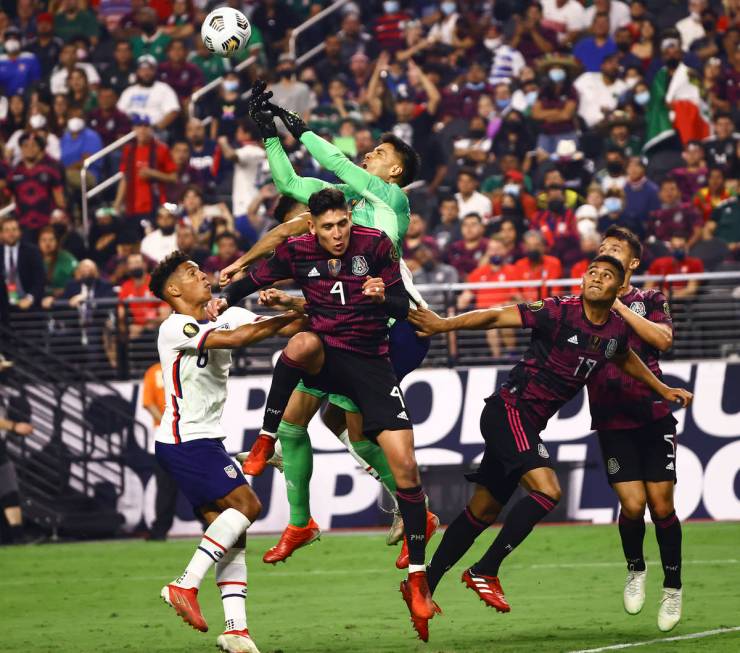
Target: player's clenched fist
[
  {"x": 427, "y": 322},
  {"x": 280, "y": 300},
  {"x": 679, "y": 396},
  {"x": 374, "y": 288},
  {"x": 215, "y": 307}
]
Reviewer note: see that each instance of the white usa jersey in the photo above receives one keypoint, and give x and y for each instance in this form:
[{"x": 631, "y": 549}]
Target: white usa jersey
[{"x": 195, "y": 378}]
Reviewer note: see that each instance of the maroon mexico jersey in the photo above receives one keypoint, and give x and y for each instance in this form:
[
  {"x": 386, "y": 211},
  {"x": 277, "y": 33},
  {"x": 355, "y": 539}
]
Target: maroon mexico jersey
[
  {"x": 617, "y": 400},
  {"x": 565, "y": 351},
  {"x": 336, "y": 307}
]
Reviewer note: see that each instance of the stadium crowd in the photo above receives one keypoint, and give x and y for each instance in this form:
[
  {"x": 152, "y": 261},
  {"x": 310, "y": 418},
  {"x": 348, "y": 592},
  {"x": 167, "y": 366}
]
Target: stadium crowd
[{"x": 539, "y": 125}]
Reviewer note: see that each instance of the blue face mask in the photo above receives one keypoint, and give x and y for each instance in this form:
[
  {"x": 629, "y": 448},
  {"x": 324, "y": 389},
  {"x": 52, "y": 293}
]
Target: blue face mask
[
  {"x": 613, "y": 204},
  {"x": 231, "y": 85},
  {"x": 496, "y": 260},
  {"x": 531, "y": 97},
  {"x": 511, "y": 189},
  {"x": 556, "y": 75},
  {"x": 502, "y": 104},
  {"x": 448, "y": 8},
  {"x": 679, "y": 254},
  {"x": 642, "y": 98},
  {"x": 391, "y": 7}
]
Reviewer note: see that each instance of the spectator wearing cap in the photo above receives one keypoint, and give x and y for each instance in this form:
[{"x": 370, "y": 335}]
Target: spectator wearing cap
[
  {"x": 331, "y": 64},
  {"x": 45, "y": 45},
  {"x": 248, "y": 159},
  {"x": 24, "y": 20},
  {"x": 334, "y": 108},
  {"x": 147, "y": 167},
  {"x": 120, "y": 73},
  {"x": 150, "y": 98},
  {"x": 557, "y": 223},
  {"x": 713, "y": 194},
  {"x": 59, "y": 264},
  {"x": 107, "y": 119},
  {"x": 588, "y": 250},
  {"x": 531, "y": 37},
  {"x": 513, "y": 186},
  {"x": 555, "y": 107},
  {"x": 621, "y": 132},
  {"x": 21, "y": 267},
  {"x": 576, "y": 170},
  {"x": 160, "y": 242},
  {"x": 613, "y": 175},
  {"x": 388, "y": 27},
  {"x": 152, "y": 40},
  {"x": 566, "y": 17},
  {"x": 19, "y": 70},
  {"x": 615, "y": 214},
  {"x": 79, "y": 142},
  {"x": 355, "y": 39},
  {"x": 38, "y": 126},
  {"x": 289, "y": 93},
  {"x": 469, "y": 199},
  {"x": 690, "y": 28},
  {"x": 227, "y": 251},
  {"x": 677, "y": 262},
  {"x": 178, "y": 73},
  {"x": 416, "y": 236},
  {"x": 592, "y": 50},
  {"x": 640, "y": 194},
  {"x": 36, "y": 184},
  {"x": 74, "y": 19},
  {"x": 673, "y": 216},
  {"x": 536, "y": 265},
  {"x": 599, "y": 92},
  {"x": 448, "y": 228},
  {"x": 618, "y": 13},
  {"x": 67, "y": 63},
  {"x": 465, "y": 254},
  {"x": 553, "y": 177}
]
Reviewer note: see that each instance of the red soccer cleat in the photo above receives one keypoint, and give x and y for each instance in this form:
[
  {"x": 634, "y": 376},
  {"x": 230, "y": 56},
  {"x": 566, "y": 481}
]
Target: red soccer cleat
[
  {"x": 402, "y": 562},
  {"x": 488, "y": 588},
  {"x": 185, "y": 603},
  {"x": 420, "y": 624},
  {"x": 261, "y": 452},
  {"x": 293, "y": 537}
]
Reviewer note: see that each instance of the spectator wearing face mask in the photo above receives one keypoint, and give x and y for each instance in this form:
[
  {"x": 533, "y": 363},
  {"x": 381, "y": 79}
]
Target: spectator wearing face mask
[
  {"x": 677, "y": 262},
  {"x": 557, "y": 224},
  {"x": 492, "y": 267},
  {"x": 615, "y": 214},
  {"x": 19, "y": 70},
  {"x": 555, "y": 109},
  {"x": 599, "y": 92},
  {"x": 46, "y": 46},
  {"x": 37, "y": 126},
  {"x": 693, "y": 175},
  {"x": 575, "y": 169},
  {"x": 150, "y": 98},
  {"x": 226, "y": 108},
  {"x": 613, "y": 175},
  {"x": 68, "y": 237},
  {"x": 589, "y": 249},
  {"x": 87, "y": 286},
  {"x": 79, "y": 142},
  {"x": 160, "y": 242},
  {"x": 152, "y": 39},
  {"x": 536, "y": 265},
  {"x": 524, "y": 204},
  {"x": 388, "y": 27},
  {"x": 58, "y": 263},
  {"x": 140, "y": 316}
]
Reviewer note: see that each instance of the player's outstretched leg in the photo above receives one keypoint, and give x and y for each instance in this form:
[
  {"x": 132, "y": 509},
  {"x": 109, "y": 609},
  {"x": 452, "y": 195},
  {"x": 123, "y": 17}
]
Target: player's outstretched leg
[
  {"x": 632, "y": 501},
  {"x": 544, "y": 494},
  {"x": 298, "y": 467},
  {"x": 303, "y": 354},
  {"x": 668, "y": 534},
  {"x": 231, "y": 579}
]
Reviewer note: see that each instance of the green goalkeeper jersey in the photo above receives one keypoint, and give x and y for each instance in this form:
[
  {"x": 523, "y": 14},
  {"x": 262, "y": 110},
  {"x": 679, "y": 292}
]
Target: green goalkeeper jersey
[{"x": 374, "y": 202}]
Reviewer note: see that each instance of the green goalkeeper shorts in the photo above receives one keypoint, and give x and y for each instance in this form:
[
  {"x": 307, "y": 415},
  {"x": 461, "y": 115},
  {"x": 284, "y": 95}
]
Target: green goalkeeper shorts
[{"x": 345, "y": 403}]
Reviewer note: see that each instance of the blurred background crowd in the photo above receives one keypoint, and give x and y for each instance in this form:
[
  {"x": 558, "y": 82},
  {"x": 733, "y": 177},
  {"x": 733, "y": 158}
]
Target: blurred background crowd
[{"x": 539, "y": 125}]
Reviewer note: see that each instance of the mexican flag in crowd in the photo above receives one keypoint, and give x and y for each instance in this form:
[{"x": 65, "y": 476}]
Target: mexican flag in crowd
[{"x": 675, "y": 105}]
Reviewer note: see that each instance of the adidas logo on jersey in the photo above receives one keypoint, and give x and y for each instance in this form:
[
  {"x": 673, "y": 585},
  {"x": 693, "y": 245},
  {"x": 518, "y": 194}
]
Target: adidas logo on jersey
[
  {"x": 402, "y": 415},
  {"x": 670, "y": 466},
  {"x": 314, "y": 273},
  {"x": 573, "y": 339}
]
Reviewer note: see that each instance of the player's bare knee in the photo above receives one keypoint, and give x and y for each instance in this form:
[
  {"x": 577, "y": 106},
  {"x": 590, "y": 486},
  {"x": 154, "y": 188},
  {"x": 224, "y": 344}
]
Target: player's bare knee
[
  {"x": 407, "y": 472},
  {"x": 633, "y": 507},
  {"x": 660, "y": 509},
  {"x": 304, "y": 347}
]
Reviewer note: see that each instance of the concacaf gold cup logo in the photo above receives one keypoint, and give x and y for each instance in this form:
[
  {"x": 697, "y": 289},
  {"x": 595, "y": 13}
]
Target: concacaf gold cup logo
[{"x": 231, "y": 44}]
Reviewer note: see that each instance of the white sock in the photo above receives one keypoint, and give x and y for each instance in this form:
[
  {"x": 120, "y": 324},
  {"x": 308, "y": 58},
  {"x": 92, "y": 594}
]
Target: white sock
[
  {"x": 344, "y": 439},
  {"x": 219, "y": 537},
  {"x": 231, "y": 578},
  {"x": 413, "y": 568}
]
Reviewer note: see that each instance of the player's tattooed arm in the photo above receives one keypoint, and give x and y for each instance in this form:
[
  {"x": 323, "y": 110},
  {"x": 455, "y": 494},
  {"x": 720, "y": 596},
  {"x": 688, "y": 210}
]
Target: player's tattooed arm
[
  {"x": 428, "y": 322},
  {"x": 655, "y": 334},
  {"x": 265, "y": 246},
  {"x": 249, "y": 333},
  {"x": 632, "y": 365}
]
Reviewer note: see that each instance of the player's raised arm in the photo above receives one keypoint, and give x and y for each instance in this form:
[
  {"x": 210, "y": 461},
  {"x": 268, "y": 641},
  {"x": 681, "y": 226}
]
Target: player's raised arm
[
  {"x": 428, "y": 322},
  {"x": 266, "y": 272},
  {"x": 631, "y": 364},
  {"x": 658, "y": 334},
  {"x": 248, "y": 333}
]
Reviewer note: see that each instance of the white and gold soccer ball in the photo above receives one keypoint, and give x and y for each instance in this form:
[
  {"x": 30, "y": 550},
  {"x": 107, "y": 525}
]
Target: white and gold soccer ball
[{"x": 225, "y": 31}]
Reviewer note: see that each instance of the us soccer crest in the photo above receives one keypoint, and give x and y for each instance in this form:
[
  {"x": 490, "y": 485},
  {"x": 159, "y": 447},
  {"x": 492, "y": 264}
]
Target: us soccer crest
[
  {"x": 359, "y": 266},
  {"x": 611, "y": 348},
  {"x": 230, "y": 471},
  {"x": 536, "y": 306},
  {"x": 335, "y": 266},
  {"x": 639, "y": 308}
]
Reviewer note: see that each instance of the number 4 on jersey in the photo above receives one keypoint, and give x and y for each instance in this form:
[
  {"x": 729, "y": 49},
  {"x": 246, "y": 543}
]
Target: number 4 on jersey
[{"x": 338, "y": 289}]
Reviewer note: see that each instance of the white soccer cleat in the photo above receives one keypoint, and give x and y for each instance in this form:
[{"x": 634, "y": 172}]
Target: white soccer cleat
[
  {"x": 634, "y": 591},
  {"x": 236, "y": 641},
  {"x": 395, "y": 533},
  {"x": 276, "y": 460},
  {"x": 669, "y": 613}
]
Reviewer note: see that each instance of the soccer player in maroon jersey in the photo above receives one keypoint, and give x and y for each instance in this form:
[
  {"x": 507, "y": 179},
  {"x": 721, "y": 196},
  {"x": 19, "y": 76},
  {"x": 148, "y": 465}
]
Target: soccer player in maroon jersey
[
  {"x": 351, "y": 279},
  {"x": 572, "y": 338},
  {"x": 637, "y": 436}
]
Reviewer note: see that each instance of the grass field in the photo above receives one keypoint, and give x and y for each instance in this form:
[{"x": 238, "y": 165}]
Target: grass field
[{"x": 564, "y": 585}]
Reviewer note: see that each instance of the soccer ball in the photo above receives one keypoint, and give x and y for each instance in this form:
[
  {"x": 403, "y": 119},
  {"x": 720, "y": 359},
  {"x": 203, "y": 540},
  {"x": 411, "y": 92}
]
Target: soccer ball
[{"x": 225, "y": 31}]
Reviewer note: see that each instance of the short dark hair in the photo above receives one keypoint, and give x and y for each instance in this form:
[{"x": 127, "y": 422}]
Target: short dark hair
[
  {"x": 410, "y": 161},
  {"x": 668, "y": 180},
  {"x": 476, "y": 216},
  {"x": 447, "y": 198},
  {"x": 164, "y": 271},
  {"x": 228, "y": 235},
  {"x": 614, "y": 262},
  {"x": 627, "y": 236},
  {"x": 470, "y": 172},
  {"x": 284, "y": 205},
  {"x": 327, "y": 199}
]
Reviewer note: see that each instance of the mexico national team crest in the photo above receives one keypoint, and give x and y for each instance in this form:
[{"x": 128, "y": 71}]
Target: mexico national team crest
[
  {"x": 359, "y": 266},
  {"x": 611, "y": 348},
  {"x": 542, "y": 450},
  {"x": 666, "y": 309},
  {"x": 335, "y": 266},
  {"x": 230, "y": 471},
  {"x": 638, "y": 307},
  {"x": 612, "y": 466}
]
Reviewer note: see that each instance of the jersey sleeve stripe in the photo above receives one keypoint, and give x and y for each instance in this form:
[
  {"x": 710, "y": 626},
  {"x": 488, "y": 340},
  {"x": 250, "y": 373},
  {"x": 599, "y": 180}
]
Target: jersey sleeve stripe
[
  {"x": 175, "y": 420},
  {"x": 202, "y": 340},
  {"x": 176, "y": 375}
]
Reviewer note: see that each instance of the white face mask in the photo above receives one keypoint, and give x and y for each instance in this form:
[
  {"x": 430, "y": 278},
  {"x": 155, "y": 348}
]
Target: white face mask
[
  {"x": 81, "y": 54},
  {"x": 37, "y": 121},
  {"x": 492, "y": 44},
  {"x": 12, "y": 46},
  {"x": 75, "y": 124}
]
